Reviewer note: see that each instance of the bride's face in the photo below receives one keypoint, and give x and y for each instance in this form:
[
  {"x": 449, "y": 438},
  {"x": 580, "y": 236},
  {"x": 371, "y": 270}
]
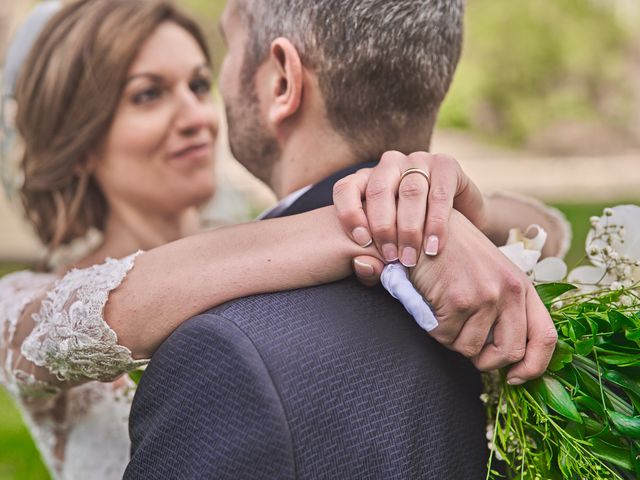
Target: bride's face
[{"x": 158, "y": 154}]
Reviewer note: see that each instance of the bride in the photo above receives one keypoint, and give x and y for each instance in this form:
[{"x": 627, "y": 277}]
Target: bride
[{"x": 118, "y": 136}]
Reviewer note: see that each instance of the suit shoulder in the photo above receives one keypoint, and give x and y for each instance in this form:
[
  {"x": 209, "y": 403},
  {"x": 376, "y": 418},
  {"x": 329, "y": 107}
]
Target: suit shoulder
[{"x": 204, "y": 386}]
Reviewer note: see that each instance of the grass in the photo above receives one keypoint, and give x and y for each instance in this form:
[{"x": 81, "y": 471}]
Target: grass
[{"x": 19, "y": 459}]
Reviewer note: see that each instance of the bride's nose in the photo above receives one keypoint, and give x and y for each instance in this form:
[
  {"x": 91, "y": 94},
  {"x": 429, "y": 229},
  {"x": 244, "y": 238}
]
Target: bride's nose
[{"x": 195, "y": 113}]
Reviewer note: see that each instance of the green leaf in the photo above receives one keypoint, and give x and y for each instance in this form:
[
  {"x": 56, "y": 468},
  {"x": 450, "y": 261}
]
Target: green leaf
[
  {"x": 619, "y": 320},
  {"x": 588, "y": 384},
  {"x": 627, "y": 426},
  {"x": 635, "y": 459},
  {"x": 576, "y": 430},
  {"x": 550, "y": 291},
  {"x": 589, "y": 404},
  {"x": 585, "y": 346},
  {"x": 623, "y": 381},
  {"x": 557, "y": 397},
  {"x": 633, "y": 335},
  {"x": 635, "y": 400},
  {"x": 620, "y": 360},
  {"x": 572, "y": 333},
  {"x": 563, "y": 463},
  {"x": 537, "y": 392},
  {"x": 618, "y": 456},
  {"x": 136, "y": 375},
  {"x": 562, "y": 355},
  {"x": 593, "y": 427},
  {"x": 594, "y": 325}
]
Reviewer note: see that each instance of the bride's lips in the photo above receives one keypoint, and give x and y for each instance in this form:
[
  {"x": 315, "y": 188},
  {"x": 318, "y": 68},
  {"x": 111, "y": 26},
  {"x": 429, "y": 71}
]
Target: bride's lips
[{"x": 194, "y": 152}]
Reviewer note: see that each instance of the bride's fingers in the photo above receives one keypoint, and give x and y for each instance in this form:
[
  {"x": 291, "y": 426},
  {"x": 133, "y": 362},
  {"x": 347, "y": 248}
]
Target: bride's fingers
[
  {"x": 445, "y": 173},
  {"x": 412, "y": 209},
  {"x": 348, "y": 193},
  {"x": 381, "y": 203},
  {"x": 368, "y": 269}
]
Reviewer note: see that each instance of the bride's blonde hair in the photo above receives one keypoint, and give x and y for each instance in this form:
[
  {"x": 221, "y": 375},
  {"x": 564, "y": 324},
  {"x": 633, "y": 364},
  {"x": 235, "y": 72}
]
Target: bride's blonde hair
[{"x": 67, "y": 94}]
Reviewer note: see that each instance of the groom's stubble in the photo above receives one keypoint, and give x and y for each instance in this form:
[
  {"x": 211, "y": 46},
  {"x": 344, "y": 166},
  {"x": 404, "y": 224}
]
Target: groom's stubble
[
  {"x": 384, "y": 102},
  {"x": 249, "y": 138}
]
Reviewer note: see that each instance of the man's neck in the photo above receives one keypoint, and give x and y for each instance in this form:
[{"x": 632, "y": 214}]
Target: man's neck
[
  {"x": 312, "y": 154},
  {"x": 306, "y": 161}
]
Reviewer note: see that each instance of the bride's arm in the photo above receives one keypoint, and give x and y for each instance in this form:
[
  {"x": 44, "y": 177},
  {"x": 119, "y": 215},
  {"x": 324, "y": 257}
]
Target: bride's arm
[
  {"x": 174, "y": 282},
  {"x": 97, "y": 323}
]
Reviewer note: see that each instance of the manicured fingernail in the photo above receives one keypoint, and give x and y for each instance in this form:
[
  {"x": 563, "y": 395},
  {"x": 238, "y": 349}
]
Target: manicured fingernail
[
  {"x": 363, "y": 269},
  {"x": 515, "y": 381},
  {"x": 431, "y": 248},
  {"x": 390, "y": 252},
  {"x": 409, "y": 257},
  {"x": 362, "y": 237}
]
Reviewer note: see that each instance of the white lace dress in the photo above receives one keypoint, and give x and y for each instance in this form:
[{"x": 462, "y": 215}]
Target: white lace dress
[{"x": 53, "y": 336}]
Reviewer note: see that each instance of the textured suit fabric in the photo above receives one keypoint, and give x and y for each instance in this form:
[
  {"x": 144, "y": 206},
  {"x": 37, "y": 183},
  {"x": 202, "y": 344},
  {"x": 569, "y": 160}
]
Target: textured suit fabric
[{"x": 331, "y": 382}]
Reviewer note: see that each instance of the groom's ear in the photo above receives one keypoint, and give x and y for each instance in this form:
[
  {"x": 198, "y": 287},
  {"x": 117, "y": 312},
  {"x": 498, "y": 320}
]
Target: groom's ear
[{"x": 286, "y": 80}]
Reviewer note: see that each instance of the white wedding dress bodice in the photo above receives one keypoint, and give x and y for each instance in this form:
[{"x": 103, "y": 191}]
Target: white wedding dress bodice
[{"x": 53, "y": 336}]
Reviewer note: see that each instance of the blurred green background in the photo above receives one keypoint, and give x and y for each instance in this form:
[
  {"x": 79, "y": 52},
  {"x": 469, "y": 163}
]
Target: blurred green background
[{"x": 540, "y": 76}]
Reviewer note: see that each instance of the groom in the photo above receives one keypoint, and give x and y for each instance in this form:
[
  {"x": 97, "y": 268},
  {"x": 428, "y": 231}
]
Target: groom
[{"x": 336, "y": 381}]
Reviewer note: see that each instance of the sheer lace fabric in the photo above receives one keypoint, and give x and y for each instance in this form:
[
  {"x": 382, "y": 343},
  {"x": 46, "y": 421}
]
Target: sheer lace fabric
[{"x": 53, "y": 336}]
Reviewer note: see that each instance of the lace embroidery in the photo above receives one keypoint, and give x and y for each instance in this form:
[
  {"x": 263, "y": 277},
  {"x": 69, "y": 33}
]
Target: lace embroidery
[
  {"x": 28, "y": 386},
  {"x": 17, "y": 290},
  {"x": 71, "y": 337}
]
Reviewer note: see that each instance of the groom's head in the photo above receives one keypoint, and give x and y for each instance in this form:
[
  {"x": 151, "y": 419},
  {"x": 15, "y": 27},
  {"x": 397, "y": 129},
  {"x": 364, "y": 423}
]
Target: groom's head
[{"x": 370, "y": 74}]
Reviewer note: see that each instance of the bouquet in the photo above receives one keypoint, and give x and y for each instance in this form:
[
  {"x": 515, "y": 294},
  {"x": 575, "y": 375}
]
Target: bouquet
[{"x": 582, "y": 418}]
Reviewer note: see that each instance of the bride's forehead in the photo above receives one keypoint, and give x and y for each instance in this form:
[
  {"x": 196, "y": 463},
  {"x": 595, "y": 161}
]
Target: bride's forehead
[{"x": 170, "y": 47}]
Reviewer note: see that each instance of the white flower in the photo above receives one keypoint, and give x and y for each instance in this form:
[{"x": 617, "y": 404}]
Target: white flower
[
  {"x": 490, "y": 429},
  {"x": 524, "y": 259},
  {"x": 524, "y": 249},
  {"x": 616, "y": 286},
  {"x": 590, "y": 275},
  {"x": 613, "y": 247},
  {"x": 550, "y": 269}
]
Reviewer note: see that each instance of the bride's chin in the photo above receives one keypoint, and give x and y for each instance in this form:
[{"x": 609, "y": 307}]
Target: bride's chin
[{"x": 203, "y": 195}]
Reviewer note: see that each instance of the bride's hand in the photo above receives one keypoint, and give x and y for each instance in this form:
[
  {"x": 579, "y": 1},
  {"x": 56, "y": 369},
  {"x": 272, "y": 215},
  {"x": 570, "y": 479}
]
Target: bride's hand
[{"x": 405, "y": 213}]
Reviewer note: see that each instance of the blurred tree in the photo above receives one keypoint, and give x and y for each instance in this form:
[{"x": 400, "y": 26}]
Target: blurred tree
[
  {"x": 208, "y": 14},
  {"x": 531, "y": 62}
]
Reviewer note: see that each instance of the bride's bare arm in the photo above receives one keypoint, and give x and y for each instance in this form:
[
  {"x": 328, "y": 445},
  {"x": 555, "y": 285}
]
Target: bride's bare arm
[
  {"x": 172, "y": 283},
  {"x": 96, "y": 323}
]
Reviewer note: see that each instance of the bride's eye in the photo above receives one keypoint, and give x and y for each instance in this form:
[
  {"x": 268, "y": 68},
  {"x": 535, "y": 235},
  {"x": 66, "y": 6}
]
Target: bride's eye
[
  {"x": 200, "y": 86},
  {"x": 147, "y": 95}
]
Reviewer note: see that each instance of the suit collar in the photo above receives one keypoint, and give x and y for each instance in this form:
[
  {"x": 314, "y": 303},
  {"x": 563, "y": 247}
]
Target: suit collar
[{"x": 319, "y": 195}]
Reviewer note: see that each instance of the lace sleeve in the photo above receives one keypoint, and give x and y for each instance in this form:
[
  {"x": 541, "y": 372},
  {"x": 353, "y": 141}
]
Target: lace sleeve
[
  {"x": 17, "y": 290},
  {"x": 58, "y": 330},
  {"x": 71, "y": 337}
]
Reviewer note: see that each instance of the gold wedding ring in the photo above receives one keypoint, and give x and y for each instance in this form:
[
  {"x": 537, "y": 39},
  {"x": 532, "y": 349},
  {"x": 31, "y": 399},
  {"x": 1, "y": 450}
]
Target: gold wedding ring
[{"x": 419, "y": 171}]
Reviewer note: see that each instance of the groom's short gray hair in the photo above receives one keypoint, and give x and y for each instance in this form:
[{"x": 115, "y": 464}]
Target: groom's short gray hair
[{"x": 384, "y": 66}]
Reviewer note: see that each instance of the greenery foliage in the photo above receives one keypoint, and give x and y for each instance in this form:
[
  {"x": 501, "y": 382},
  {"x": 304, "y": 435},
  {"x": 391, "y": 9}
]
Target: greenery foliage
[
  {"x": 530, "y": 62},
  {"x": 580, "y": 420}
]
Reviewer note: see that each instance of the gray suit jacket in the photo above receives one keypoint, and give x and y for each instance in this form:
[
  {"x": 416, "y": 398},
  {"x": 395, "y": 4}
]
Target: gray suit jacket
[{"x": 331, "y": 382}]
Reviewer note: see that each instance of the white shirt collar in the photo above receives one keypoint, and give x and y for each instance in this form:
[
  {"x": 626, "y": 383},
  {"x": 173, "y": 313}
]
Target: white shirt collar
[{"x": 285, "y": 203}]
